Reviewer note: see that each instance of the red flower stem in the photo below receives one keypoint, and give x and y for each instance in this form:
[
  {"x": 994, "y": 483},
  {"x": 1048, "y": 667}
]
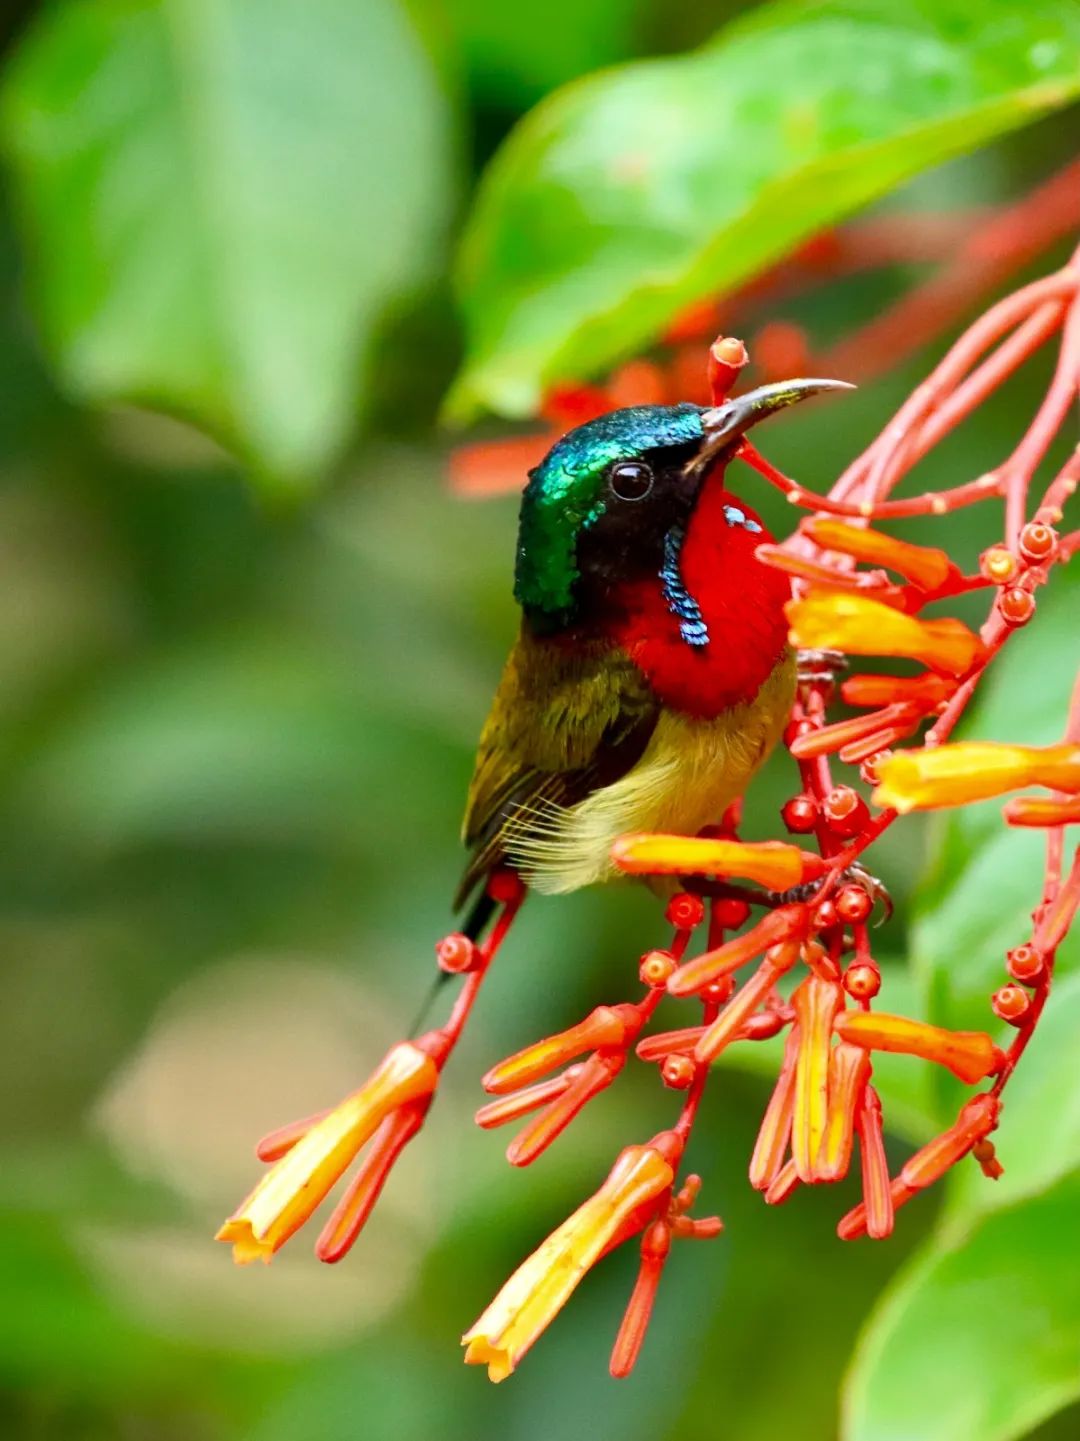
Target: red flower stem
[
  {"x": 350, "y": 1215},
  {"x": 990, "y": 375},
  {"x": 1017, "y": 470},
  {"x": 475, "y": 979},
  {"x": 963, "y": 355},
  {"x": 1052, "y": 506},
  {"x": 995, "y": 249}
]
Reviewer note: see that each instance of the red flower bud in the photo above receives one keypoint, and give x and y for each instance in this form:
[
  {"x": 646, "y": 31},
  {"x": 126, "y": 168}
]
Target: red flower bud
[
  {"x": 846, "y": 811},
  {"x": 685, "y": 911},
  {"x": 1025, "y": 965},
  {"x": 678, "y": 1072},
  {"x": 656, "y": 968},
  {"x": 998, "y": 564},
  {"x": 800, "y": 814},
  {"x": 1016, "y": 605},
  {"x": 1011, "y": 1004},
  {"x": 456, "y": 953},
  {"x": 731, "y": 914},
  {"x": 862, "y": 982},
  {"x": 1037, "y": 541},
  {"x": 854, "y": 904}
]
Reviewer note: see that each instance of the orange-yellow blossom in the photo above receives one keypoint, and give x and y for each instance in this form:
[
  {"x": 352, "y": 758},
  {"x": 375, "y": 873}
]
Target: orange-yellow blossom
[
  {"x": 605, "y": 1026},
  {"x": 849, "y": 1071},
  {"x": 783, "y": 924},
  {"x": 771, "y": 863},
  {"x": 816, "y": 1003},
  {"x": 541, "y": 1286},
  {"x": 953, "y": 775},
  {"x": 289, "y": 1192},
  {"x": 927, "y": 566},
  {"x": 1042, "y": 811},
  {"x": 772, "y": 1140},
  {"x": 970, "y": 1055},
  {"x": 835, "y": 620}
]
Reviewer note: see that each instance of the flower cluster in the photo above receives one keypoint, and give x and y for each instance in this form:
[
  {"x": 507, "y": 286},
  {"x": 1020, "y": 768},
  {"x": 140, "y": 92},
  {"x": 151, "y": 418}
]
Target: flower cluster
[{"x": 772, "y": 939}]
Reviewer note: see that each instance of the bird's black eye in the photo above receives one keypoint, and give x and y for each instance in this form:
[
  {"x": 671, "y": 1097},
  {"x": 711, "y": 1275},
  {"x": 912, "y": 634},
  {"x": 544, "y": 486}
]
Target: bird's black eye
[{"x": 631, "y": 479}]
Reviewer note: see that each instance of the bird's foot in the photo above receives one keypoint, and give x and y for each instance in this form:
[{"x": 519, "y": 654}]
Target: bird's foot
[
  {"x": 853, "y": 875},
  {"x": 819, "y": 665}
]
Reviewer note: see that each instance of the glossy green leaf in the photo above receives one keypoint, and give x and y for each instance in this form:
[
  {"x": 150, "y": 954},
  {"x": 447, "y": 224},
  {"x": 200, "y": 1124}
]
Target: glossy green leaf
[
  {"x": 219, "y": 202},
  {"x": 625, "y": 196},
  {"x": 979, "y": 1338}
]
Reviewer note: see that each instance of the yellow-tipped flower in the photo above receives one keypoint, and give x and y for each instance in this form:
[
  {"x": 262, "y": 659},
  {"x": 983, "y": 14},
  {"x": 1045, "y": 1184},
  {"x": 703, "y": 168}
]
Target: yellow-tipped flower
[
  {"x": 970, "y": 1055},
  {"x": 953, "y": 775},
  {"x": 927, "y": 566},
  {"x": 836, "y": 620},
  {"x": 771, "y": 863},
  {"x": 289, "y": 1193},
  {"x": 541, "y": 1286}
]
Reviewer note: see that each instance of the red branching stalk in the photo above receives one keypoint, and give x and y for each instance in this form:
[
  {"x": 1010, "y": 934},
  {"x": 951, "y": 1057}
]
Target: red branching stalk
[{"x": 803, "y": 969}]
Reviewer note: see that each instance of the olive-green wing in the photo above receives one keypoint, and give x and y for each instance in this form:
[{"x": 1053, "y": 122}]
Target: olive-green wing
[{"x": 565, "y": 720}]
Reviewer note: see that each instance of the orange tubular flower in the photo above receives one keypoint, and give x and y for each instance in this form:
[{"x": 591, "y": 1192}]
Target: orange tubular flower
[
  {"x": 970, "y": 1055},
  {"x": 928, "y": 567},
  {"x": 635, "y": 1191},
  {"x": 816, "y": 1003},
  {"x": 900, "y": 718},
  {"x": 926, "y": 690},
  {"x": 771, "y": 863},
  {"x": 784, "y": 924},
  {"x": 849, "y": 1071},
  {"x": 1036, "y": 811},
  {"x": 775, "y": 1130},
  {"x": 289, "y": 1193},
  {"x": 953, "y": 775},
  {"x": 606, "y": 1026},
  {"x": 747, "y": 998},
  {"x": 831, "y": 620}
]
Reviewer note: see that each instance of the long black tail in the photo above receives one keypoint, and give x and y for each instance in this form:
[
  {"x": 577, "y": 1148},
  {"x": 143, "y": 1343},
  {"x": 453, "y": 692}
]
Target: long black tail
[{"x": 480, "y": 912}]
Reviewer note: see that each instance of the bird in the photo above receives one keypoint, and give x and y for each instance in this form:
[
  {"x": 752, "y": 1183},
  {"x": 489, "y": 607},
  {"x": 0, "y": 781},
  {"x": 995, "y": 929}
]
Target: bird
[{"x": 652, "y": 673}]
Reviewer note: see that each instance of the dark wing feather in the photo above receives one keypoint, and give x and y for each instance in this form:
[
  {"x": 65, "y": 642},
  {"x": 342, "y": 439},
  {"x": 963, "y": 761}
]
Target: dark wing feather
[{"x": 566, "y": 719}]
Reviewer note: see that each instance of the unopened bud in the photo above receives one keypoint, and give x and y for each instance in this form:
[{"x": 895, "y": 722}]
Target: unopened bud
[
  {"x": 800, "y": 814},
  {"x": 854, "y": 904},
  {"x": 656, "y": 967},
  {"x": 678, "y": 1072},
  {"x": 862, "y": 982},
  {"x": 1037, "y": 541},
  {"x": 455, "y": 953},
  {"x": 998, "y": 564},
  {"x": 1011, "y": 1004},
  {"x": 1025, "y": 964},
  {"x": 1016, "y": 605},
  {"x": 685, "y": 911}
]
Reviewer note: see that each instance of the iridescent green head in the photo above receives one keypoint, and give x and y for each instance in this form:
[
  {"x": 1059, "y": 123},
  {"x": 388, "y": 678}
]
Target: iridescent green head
[
  {"x": 595, "y": 472},
  {"x": 606, "y": 501}
]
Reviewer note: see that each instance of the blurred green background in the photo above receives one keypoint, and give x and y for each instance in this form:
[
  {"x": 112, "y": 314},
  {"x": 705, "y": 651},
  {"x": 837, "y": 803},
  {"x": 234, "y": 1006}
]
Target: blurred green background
[{"x": 243, "y": 666}]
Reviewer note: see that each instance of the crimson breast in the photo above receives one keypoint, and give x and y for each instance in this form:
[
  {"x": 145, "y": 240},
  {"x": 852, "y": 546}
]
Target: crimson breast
[{"x": 741, "y": 605}]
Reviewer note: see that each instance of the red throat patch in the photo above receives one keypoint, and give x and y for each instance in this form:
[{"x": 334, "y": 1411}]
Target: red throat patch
[{"x": 741, "y": 603}]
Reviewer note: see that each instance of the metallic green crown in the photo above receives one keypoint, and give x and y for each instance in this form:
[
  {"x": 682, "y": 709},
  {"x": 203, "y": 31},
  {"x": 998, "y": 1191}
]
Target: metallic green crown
[{"x": 566, "y": 494}]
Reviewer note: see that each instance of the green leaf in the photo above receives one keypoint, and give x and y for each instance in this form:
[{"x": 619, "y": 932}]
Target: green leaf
[
  {"x": 220, "y": 199},
  {"x": 979, "y": 1338},
  {"x": 625, "y": 196}
]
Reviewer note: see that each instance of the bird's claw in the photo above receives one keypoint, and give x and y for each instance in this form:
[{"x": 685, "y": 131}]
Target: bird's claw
[
  {"x": 853, "y": 875},
  {"x": 819, "y": 665}
]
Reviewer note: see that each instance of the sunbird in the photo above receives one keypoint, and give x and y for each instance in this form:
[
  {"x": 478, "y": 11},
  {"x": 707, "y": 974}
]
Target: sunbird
[{"x": 652, "y": 673}]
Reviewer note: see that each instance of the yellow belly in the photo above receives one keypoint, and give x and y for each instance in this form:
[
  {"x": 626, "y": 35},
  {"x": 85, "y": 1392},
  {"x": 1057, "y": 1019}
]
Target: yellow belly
[{"x": 691, "y": 770}]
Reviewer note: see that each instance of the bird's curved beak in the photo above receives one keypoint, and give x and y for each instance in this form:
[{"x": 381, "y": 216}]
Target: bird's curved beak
[{"x": 725, "y": 424}]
